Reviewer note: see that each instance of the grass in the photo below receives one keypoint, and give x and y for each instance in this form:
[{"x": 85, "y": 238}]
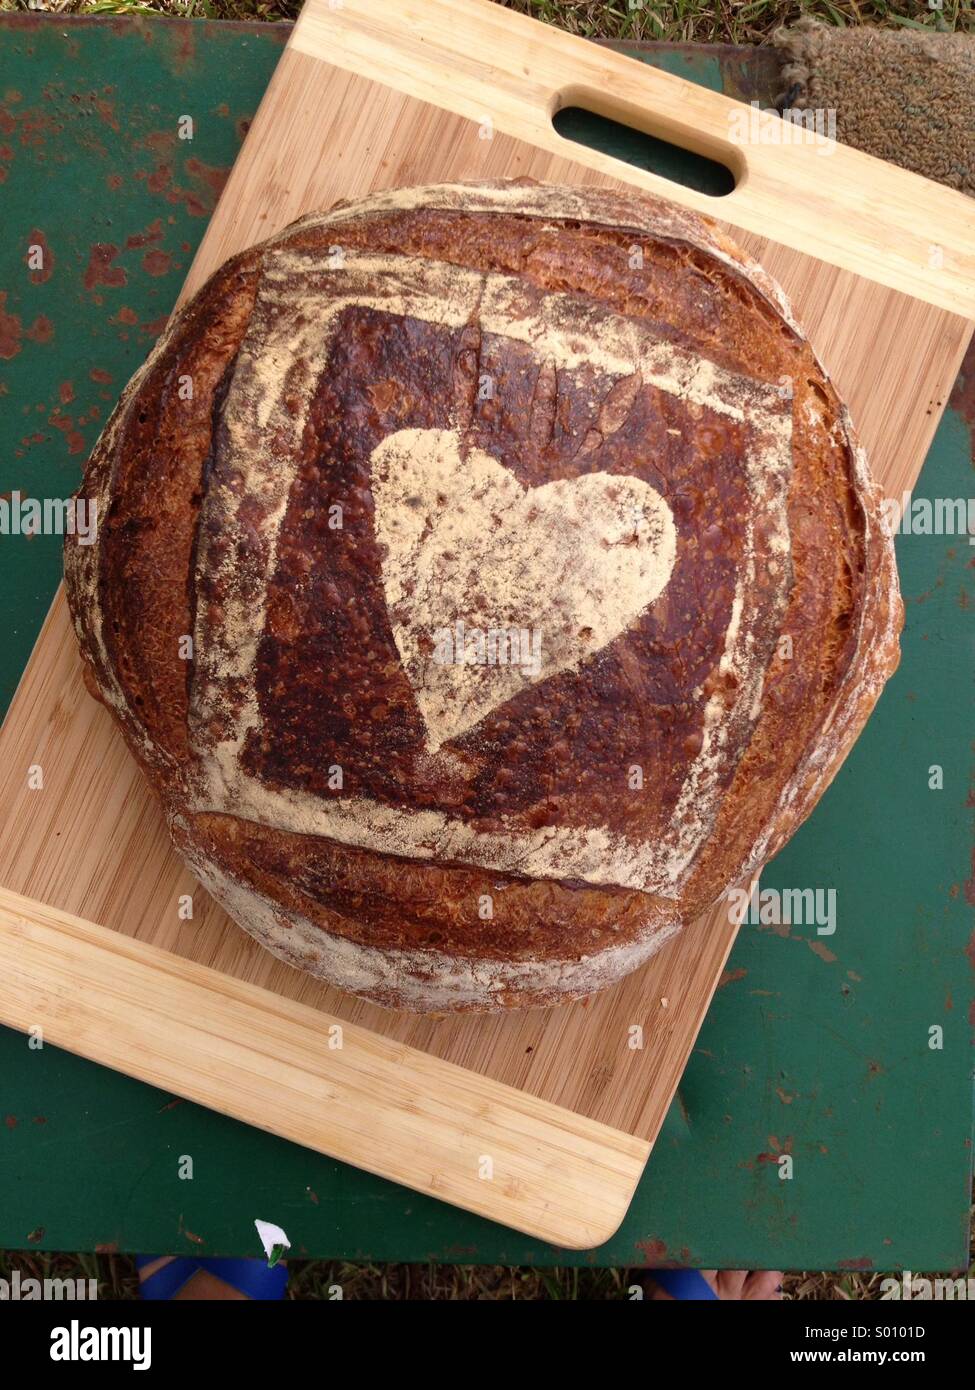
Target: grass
[
  {"x": 315, "y": 1280},
  {"x": 733, "y": 21},
  {"x": 686, "y": 21}
]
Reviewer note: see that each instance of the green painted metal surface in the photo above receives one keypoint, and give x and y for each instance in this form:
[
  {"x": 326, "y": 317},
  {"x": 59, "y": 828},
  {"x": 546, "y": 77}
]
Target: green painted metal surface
[{"x": 815, "y": 1046}]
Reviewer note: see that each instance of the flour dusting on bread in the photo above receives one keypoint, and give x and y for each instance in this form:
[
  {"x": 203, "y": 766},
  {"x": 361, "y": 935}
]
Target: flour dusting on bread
[{"x": 535, "y": 589}]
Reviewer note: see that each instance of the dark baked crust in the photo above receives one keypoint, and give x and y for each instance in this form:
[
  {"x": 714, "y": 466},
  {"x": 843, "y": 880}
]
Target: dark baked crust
[{"x": 213, "y": 518}]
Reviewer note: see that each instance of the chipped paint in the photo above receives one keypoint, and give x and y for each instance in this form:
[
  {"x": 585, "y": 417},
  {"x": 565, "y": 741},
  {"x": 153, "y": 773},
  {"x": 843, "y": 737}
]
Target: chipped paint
[
  {"x": 41, "y": 330},
  {"x": 156, "y": 263},
  {"x": 652, "y": 1250},
  {"x": 100, "y": 269},
  {"x": 11, "y": 331},
  {"x": 154, "y": 232}
]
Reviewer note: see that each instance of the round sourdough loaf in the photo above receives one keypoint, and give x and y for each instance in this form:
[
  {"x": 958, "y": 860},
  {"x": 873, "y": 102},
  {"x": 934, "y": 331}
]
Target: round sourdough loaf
[{"x": 487, "y": 578}]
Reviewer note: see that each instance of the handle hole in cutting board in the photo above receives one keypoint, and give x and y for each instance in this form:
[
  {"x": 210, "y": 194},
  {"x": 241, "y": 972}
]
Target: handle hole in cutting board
[{"x": 644, "y": 151}]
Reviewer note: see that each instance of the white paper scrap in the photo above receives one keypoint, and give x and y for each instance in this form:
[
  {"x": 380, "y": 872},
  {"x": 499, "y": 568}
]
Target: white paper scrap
[{"x": 271, "y": 1236}]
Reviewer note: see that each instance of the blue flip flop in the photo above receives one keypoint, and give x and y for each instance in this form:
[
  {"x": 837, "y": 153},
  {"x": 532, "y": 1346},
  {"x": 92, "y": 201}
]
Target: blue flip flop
[
  {"x": 684, "y": 1284},
  {"x": 249, "y": 1277}
]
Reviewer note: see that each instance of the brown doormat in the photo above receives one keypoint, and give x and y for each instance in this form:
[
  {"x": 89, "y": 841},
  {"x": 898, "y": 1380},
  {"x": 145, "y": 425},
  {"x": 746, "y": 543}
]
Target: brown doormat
[{"x": 902, "y": 95}]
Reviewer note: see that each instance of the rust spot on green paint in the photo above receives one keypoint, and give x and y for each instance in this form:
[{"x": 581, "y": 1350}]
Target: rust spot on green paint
[
  {"x": 652, "y": 1251},
  {"x": 730, "y": 976},
  {"x": 66, "y": 424},
  {"x": 823, "y": 952},
  {"x": 776, "y": 1149},
  {"x": 157, "y": 262},
  {"x": 10, "y": 331},
  {"x": 159, "y": 178},
  {"x": 214, "y": 175},
  {"x": 776, "y": 928},
  {"x": 209, "y": 181},
  {"x": 160, "y": 141},
  {"x": 34, "y": 127},
  {"x": 106, "y": 111},
  {"x": 186, "y": 51},
  {"x": 100, "y": 269},
  {"x": 154, "y": 232},
  {"x": 41, "y": 330}
]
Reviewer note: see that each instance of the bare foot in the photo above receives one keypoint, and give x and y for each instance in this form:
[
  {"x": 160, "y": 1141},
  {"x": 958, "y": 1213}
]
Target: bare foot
[{"x": 733, "y": 1284}]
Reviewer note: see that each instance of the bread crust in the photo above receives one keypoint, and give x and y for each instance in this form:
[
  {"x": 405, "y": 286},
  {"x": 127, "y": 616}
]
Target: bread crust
[{"x": 486, "y": 843}]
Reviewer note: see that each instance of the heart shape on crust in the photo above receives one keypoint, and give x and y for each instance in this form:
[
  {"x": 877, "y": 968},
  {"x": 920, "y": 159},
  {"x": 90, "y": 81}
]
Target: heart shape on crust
[{"x": 491, "y": 586}]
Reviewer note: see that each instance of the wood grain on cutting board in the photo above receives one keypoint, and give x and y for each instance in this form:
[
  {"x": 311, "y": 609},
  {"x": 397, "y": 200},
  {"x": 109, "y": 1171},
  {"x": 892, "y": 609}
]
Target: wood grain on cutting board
[{"x": 92, "y": 842}]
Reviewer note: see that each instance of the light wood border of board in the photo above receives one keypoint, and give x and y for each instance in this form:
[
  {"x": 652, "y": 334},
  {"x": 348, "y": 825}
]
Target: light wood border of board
[
  {"x": 485, "y": 62},
  {"x": 271, "y": 1062}
]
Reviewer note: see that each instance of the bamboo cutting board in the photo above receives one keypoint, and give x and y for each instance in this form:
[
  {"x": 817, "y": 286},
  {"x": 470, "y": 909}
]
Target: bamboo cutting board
[{"x": 544, "y": 1119}]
